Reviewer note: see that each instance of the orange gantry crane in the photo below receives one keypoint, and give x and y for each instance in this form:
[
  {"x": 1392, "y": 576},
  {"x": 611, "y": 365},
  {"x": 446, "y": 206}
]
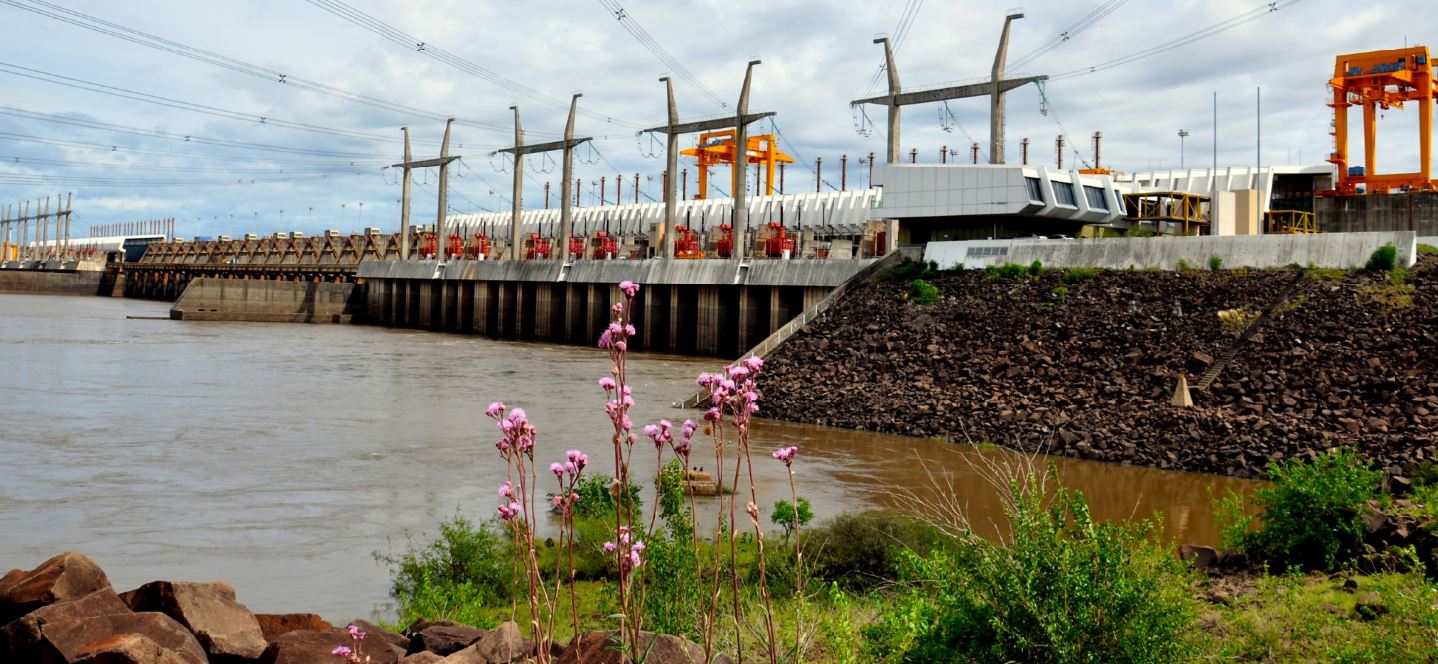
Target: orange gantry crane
[
  {"x": 716, "y": 148},
  {"x": 1381, "y": 80}
]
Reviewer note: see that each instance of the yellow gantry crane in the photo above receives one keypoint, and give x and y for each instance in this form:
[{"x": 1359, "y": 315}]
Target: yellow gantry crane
[
  {"x": 716, "y": 148},
  {"x": 1381, "y": 80}
]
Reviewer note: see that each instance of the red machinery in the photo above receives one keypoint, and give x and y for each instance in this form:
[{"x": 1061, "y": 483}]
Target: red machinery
[
  {"x": 725, "y": 247},
  {"x": 455, "y": 246},
  {"x": 779, "y": 244},
  {"x": 425, "y": 246},
  {"x": 685, "y": 246},
  {"x": 605, "y": 246},
  {"x": 576, "y": 247},
  {"x": 480, "y": 246},
  {"x": 537, "y": 247}
]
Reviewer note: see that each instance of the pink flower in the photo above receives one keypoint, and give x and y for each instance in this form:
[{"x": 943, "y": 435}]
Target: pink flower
[
  {"x": 610, "y": 547},
  {"x": 786, "y": 454},
  {"x": 712, "y": 415},
  {"x": 606, "y": 383},
  {"x": 630, "y": 331},
  {"x": 556, "y": 501},
  {"x": 509, "y": 512},
  {"x": 621, "y": 346},
  {"x": 578, "y": 458},
  {"x": 494, "y": 409},
  {"x": 342, "y": 651},
  {"x": 689, "y": 428},
  {"x": 557, "y": 468},
  {"x": 506, "y": 490},
  {"x": 754, "y": 363},
  {"x": 618, "y": 308},
  {"x": 629, "y": 288},
  {"x": 356, "y": 633}
]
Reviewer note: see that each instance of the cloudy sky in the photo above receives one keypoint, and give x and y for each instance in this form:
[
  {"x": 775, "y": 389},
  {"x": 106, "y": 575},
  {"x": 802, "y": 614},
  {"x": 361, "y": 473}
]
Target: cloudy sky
[{"x": 178, "y": 137}]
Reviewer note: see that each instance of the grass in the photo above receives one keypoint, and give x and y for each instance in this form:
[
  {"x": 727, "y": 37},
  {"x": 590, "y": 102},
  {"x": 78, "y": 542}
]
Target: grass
[
  {"x": 1311, "y": 618},
  {"x": 1391, "y": 297},
  {"x": 1427, "y": 250},
  {"x": 1324, "y": 274}
]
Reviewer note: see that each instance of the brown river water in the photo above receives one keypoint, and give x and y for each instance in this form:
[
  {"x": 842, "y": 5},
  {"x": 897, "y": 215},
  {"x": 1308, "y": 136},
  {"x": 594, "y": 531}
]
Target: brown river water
[{"x": 279, "y": 458}]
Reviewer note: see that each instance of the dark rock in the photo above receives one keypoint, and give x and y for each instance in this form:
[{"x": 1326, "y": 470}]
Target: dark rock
[
  {"x": 602, "y": 648},
  {"x": 301, "y": 647},
  {"x": 224, "y": 627},
  {"x": 1202, "y": 558},
  {"x": 501, "y": 645},
  {"x": 20, "y": 639},
  {"x": 67, "y": 576},
  {"x": 421, "y": 658},
  {"x": 127, "y": 649},
  {"x": 1369, "y": 606},
  {"x": 275, "y": 625},
  {"x": 443, "y": 639},
  {"x": 375, "y": 631},
  {"x": 1350, "y": 585},
  {"x": 68, "y": 641}
]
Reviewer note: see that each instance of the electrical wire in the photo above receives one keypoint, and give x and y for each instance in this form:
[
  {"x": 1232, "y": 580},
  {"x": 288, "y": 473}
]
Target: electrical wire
[
  {"x": 124, "y": 93},
  {"x": 1197, "y": 35},
  {"x": 906, "y": 22},
  {"x": 134, "y": 36},
  {"x": 1078, "y": 27},
  {"x": 401, "y": 38},
  {"x": 109, "y": 147},
  {"x": 641, "y": 35},
  {"x": 18, "y": 160}
]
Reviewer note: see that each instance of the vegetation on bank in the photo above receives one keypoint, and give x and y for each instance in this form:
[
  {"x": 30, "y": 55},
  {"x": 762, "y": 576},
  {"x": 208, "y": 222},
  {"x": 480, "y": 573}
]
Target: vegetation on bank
[{"x": 1060, "y": 587}]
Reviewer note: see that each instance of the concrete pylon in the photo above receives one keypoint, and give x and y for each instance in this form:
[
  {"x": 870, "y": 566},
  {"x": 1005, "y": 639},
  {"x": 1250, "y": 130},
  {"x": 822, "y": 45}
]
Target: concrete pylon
[
  {"x": 516, "y": 238},
  {"x": 1181, "y": 397},
  {"x": 440, "y": 239},
  {"x": 741, "y": 167},
  {"x": 562, "y": 251},
  {"x": 666, "y": 228},
  {"x": 892, "y": 156},
  {"x": 404, "y": 199},
  {"x": 996, "y": 109}
]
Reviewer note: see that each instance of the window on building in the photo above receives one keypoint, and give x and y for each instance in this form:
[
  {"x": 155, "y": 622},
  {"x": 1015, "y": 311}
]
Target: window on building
[
  {"x": 1036, "y": 190},
  {"x": 1064, "y": 194},
  {"x": 1095, "y": 198}
]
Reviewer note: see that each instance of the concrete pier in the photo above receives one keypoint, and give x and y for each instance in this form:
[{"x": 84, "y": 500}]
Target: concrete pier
[{"x": 690, "y": 307}]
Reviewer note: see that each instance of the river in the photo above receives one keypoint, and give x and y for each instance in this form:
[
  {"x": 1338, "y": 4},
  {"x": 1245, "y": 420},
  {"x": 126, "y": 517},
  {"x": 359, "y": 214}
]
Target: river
[{"x": 279, "y": 458}]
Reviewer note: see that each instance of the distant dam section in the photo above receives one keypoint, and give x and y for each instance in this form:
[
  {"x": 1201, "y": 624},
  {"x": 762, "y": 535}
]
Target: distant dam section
[
  {"x": 52, "y": 282},
  {"x": 698, "y": 307},
  {"x": 210, "y": 299}
]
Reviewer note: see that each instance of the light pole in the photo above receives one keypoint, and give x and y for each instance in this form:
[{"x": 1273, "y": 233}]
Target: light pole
[
  {"x": 1182, "y": 134},
  {"x": 342, "y": 215},
  {"x": 360, "y": 223}
]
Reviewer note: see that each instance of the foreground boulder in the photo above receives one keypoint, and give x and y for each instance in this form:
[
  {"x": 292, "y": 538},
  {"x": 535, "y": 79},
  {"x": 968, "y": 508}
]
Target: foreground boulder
[
  {"x": 224, "y": 627},
  {"x": 603, "y": 648},
  {"x": 20, "y": 640},
  {"x": 128, "y": 649},
  {"x": 275, "y": 625},
  {"x": 501, "y": 645},
  {"x": 318, "y": 648},
  {"x": 442, "y": 638},
  {"x": 73, "y": 640},
  {"x": 67, "y": 576},
  {"x": 373, "y": 631}
]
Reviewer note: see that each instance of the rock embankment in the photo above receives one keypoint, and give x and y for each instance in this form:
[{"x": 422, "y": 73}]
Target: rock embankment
[
  {"x": 65, "y": 612},
  {"x": 1087, "y": 368}
]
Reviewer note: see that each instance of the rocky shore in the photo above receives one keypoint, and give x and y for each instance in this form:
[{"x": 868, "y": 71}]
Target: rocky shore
[
  {"x": 1087, "y": 367},
  {"x": 64, "y": 611}
]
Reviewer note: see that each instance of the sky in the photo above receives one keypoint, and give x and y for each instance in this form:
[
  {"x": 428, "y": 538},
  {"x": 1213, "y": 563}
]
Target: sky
[{"x": 230, "y": 152}]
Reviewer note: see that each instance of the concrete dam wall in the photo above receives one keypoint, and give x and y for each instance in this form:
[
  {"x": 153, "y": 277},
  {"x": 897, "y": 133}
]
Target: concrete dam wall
[
  {"x": 270, "y": 301},
  {"x": 36, "y": 282}
]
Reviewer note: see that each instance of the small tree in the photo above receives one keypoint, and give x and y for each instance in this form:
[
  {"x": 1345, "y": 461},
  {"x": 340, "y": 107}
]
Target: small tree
[
  {"x": 1383, "y": 259},
  {"x": 787, "y": 517}
]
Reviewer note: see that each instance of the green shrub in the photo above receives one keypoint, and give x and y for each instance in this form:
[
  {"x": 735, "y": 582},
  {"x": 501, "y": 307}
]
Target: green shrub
[
  {"x": 923, "y": 292},
  {"x": 1183, "y": 265},
  {"x": 1383, "y": 259},
  {"x": 463, "y": 570},
  {"x": 1065, "y": 589},
  {"x": 1078, "y": 275},
  {"x": 1061, "y": 293},
  {"x": 1036, "y": 269},
  {"x": 1215, "y": 263},
  {"x": 860, "y": 551},
  {"x": 1135, "y": 231},
  {"x": 785, "y": 516},
  {"x": 597, "y": 499},
  {"x": 1311, "y": 516},
  {"x": 1012, "y": 271},
  {"x": 912, "y": 269}
]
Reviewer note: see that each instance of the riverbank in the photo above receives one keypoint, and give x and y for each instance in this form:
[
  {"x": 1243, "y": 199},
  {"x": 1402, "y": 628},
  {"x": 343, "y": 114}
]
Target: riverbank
[{"x": 1084, "y": 364}]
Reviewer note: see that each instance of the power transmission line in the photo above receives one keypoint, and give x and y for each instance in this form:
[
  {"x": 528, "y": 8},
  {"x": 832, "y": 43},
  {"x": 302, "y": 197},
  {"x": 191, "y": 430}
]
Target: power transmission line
[
  {"x": 1197, "y": 35},
  {"x": 124, "y": 93},
  {"x": 117, "y": 148},
  {"x": 19, "y": 160},
  {"x": 95, "y": 24},
  {"x": 642, "y": 36},
  {"x": 401, "y": 38},
  {"x": 906, "y": 21},
  {"x": 1087, "y": 21},
  {"x": 148, "y": 133}
]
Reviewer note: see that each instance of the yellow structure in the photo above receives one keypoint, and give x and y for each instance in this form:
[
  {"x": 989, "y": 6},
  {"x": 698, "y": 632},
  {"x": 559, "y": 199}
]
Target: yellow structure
[
  {"x": 1176, "y": 207},
  {"x": 716, "y": 148},
  {"x": 1380, "y": 80},
  {"x": 1289, "y": 221}
]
